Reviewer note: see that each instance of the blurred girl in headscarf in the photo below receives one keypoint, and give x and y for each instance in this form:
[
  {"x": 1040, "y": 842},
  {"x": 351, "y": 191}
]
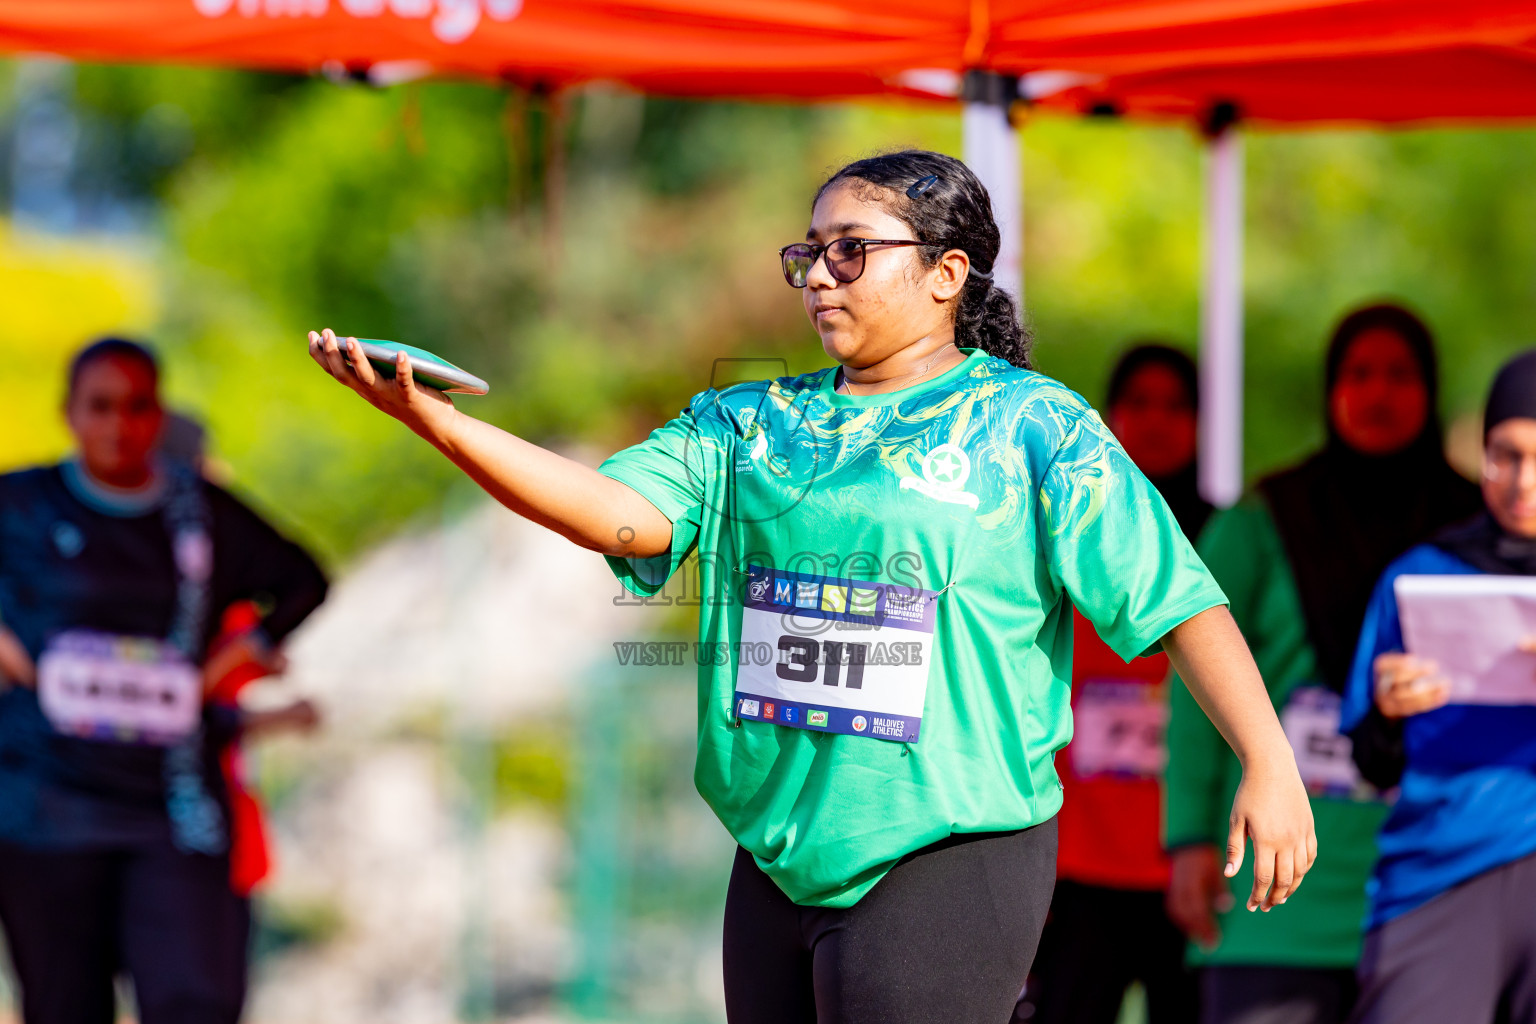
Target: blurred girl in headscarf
[{"x": 1298, "y": 559}]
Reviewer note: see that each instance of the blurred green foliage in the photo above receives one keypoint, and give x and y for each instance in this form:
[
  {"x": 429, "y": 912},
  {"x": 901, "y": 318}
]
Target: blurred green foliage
[
  {"x": 532, "y": 765},
  {"x": 418, "y": 212},
  {"x": 283, "y": 925}
]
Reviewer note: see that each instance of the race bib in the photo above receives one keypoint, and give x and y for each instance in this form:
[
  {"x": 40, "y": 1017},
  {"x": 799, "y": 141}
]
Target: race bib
[
  {"x": 1118, "y": 729},
  {"x": 834, "y": 655},
  {"x": 123, "y": 689},
  {"x": 1323, "y": 753}
]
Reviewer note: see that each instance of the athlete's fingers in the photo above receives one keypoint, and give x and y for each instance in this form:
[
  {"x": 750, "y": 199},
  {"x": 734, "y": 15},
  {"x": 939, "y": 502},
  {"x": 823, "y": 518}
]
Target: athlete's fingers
[
  {"x": 1263, "y": 874},
  {"x": 404, "y": 376},
  {"x": 336, "y": 351},
  {"x": 1236, "y": 834},
  {"x": 315, "y": 353},
  {"x": 1311, "y": 849},
  {"x": 360, "y": 364},
  {"x": 1303, "y": 862},
  {"x": 318, "y": 350},
  {"x": 1285, "y": 878},
  {"x": 333, "y": 357}
]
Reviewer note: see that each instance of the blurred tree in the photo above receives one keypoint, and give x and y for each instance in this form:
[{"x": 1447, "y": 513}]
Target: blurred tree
[{"x": 289, "y": 203}]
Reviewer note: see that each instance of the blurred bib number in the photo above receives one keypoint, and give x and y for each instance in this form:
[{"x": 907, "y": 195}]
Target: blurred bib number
[
  {"x": 1118, "y": 728},
  {"x": 1324, "y": 755},
  {"x": 834, "y": 655},
  {"x": 117, "y": 688}
]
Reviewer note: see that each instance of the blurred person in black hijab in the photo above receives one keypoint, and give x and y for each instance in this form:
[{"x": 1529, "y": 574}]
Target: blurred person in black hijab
[
  {"x": 1298, "y": 559},
  {"x": 1375, "y": 489}
]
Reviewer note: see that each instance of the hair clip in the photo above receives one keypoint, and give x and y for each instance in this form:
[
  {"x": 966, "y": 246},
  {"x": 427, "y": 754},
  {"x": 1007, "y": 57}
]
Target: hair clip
[{"x": 921, "y": 185}]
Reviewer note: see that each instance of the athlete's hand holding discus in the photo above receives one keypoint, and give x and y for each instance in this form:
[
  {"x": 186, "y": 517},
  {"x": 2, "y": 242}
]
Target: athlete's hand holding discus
[
  {"x": 899, "y": 777},
  {"x": 593, "y": 510}
]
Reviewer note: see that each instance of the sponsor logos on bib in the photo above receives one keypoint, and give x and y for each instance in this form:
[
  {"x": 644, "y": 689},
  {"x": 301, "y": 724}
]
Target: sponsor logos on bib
[{"x": 846, "y": 656}]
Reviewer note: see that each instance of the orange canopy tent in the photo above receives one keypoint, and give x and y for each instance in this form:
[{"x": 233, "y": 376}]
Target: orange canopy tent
[
  {"x": 1271, "y": 61},
  {"x": 1283, "y": 60}
]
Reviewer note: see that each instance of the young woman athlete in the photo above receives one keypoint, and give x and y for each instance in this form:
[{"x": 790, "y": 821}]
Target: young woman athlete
[{"x": 890, "y": 550}]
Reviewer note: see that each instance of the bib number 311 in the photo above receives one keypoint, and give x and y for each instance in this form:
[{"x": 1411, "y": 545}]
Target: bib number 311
[{"x": 845, "y": 656}]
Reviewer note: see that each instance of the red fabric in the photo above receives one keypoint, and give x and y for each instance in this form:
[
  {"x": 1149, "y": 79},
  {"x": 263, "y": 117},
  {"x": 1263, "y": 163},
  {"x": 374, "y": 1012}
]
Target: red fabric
[
  {"x": 1278, "y": 60},
  {"x": 803, "y": 49},
  {"x": 1460, "y": 86},
  {"x": 1109, "y": 827},
  {"x": 250, "y": 853}
]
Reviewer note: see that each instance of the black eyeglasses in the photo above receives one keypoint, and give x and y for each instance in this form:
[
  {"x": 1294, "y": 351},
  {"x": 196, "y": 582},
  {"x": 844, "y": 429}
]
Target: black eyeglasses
[{"x": 845, "y": 257}]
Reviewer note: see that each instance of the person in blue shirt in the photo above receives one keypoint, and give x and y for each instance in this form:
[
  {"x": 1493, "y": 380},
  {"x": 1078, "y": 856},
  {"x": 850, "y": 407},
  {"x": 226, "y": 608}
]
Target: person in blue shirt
[{"x": 1451, "y": 929}]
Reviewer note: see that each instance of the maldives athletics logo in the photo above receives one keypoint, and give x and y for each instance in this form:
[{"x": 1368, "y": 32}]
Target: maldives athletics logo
[{"x": 945, "y": 471}]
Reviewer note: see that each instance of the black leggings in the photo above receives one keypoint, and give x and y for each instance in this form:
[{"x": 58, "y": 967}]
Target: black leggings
[
  {"x": 945, "y": 938},
  {"x": 73, "y": 920},
  {"x": 1099, "y": 940}
]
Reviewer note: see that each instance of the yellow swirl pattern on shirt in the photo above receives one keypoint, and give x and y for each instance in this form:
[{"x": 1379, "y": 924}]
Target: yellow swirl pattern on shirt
[{"x": 1006, "y": 419}]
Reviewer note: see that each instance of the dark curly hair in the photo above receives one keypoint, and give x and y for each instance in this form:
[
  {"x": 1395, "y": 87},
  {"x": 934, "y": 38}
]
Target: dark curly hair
[{"x": 957, "y": 211}]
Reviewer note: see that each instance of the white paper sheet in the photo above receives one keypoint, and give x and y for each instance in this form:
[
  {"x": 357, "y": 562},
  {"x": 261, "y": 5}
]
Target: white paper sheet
[{"x": 1472, "y": 627}]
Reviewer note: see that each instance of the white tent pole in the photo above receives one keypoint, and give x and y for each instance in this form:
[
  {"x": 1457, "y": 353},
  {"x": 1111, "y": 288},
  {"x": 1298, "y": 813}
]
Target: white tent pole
[
  {"x": 991, "y": 148},
  {"x": 1221, "y": 321}
]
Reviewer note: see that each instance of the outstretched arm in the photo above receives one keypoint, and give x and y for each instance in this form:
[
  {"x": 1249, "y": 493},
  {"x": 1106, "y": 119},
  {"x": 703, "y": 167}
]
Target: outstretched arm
[
  {"x": 576, "y": 501},
  {"x": 1271, "y": 805}
]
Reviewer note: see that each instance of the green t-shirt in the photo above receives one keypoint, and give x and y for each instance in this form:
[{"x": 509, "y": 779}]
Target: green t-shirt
[
  {"x": 998, "y": 499},
  {"x": 1320, "y": 925}
]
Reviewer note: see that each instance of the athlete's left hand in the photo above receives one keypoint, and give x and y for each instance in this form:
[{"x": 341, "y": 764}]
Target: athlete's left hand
[
  {"x": 1272, "y": 809},
  {"x": 1271, "y": 806}
]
